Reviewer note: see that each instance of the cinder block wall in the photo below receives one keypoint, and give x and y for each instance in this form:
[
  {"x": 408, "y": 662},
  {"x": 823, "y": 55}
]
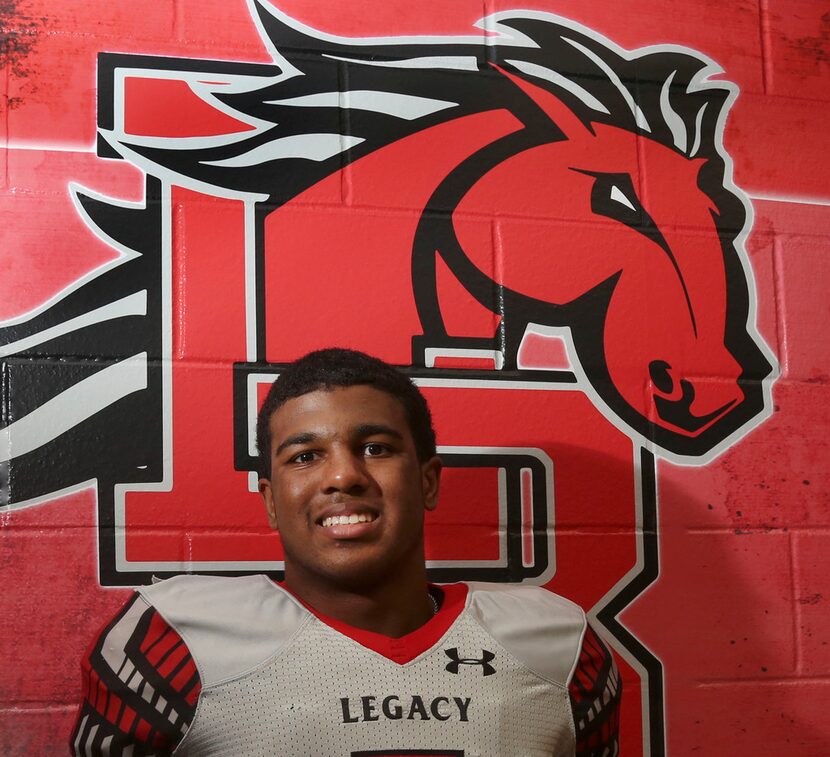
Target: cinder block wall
[{"x": 738, "y": 616}]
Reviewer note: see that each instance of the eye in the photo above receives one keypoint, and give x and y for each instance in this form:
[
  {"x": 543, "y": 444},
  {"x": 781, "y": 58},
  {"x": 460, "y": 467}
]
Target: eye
[
  {"x": 618, "y": 196},
  {"x": 304, "y": 457},
  {"x": 374, "y": 449},
  {"x": 614, "y": 196}
]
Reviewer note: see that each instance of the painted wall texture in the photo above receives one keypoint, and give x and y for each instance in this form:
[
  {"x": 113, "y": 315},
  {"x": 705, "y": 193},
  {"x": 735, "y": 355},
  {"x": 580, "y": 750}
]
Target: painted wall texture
[{"x": 597, "y": 235}]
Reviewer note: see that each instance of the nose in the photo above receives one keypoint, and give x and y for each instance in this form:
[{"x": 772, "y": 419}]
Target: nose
[
  {"x": 691, "y": 404},
  {"x": 345, "y": 472},
  {"x": 661, "y": 376}
]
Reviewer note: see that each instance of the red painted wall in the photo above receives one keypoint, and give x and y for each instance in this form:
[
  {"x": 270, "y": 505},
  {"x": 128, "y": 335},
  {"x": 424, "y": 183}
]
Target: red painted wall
[{"x": 737, "y": 616}]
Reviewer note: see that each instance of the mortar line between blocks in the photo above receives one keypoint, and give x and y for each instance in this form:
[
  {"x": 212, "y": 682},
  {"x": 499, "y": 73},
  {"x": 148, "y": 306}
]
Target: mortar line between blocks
[
  {"x": 178, "y": 20},
  {"x": 6, "y": 124},
  {"x": 772, "y": 681},
  {"x": 766, "y": 57},
  {"x": 797, "y": 613},
  {"x": 778, "y": 301}
]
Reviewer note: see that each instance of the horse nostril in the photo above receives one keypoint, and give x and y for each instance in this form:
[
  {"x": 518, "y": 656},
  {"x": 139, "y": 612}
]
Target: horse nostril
[{"x": 659, "y": 372}]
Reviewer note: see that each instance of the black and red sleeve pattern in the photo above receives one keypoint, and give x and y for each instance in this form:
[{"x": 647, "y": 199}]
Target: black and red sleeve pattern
[
  {"x": 140, "y": 688},
  {"x": 595, "y": 691}
]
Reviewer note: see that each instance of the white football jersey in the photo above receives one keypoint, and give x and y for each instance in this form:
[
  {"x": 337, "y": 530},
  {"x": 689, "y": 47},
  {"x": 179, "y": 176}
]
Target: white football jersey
[{"x": 488, "y": 675}]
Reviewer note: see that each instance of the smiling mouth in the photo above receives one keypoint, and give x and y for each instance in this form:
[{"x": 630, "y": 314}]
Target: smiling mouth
[{"x": 347, "y": 520}]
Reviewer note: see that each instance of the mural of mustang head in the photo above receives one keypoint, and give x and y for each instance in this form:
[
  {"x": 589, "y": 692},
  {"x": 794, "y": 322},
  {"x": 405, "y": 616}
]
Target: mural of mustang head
[
  {"x": 638, "y": 271},
  {"x": 644, "y": 267}
]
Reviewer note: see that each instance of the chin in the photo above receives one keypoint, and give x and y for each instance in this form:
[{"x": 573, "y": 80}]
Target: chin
[
  {"x": 362, "y": 575},
  {"x": 345, "y": 570}
]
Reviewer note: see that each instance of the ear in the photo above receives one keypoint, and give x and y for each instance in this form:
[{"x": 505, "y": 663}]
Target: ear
[
  {"x": 267, "y": 495},
  {"x": 553, "y": 107},
  {"x": 431, "y": 481}
]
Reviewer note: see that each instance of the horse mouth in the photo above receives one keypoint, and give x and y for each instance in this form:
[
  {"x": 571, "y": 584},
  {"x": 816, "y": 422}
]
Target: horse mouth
[{"x": 679, "y": 413}]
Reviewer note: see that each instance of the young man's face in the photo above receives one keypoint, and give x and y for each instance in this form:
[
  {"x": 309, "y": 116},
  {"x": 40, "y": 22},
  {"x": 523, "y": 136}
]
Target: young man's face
[{"x": 347, "y": 491}]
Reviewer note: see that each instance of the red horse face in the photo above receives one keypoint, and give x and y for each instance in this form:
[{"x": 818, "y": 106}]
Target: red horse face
[
  {"x": 629, "y": 213},
  {"x": 665, "y": 329}
]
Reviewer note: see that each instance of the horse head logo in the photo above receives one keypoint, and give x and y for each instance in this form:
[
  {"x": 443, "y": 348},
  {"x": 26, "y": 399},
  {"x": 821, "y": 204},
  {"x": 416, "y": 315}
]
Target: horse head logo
[{"x": 645, "y": 271}]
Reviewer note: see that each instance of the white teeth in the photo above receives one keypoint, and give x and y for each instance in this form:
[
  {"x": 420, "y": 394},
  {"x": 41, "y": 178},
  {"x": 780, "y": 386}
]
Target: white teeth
[{"x": 345, "y": 520}]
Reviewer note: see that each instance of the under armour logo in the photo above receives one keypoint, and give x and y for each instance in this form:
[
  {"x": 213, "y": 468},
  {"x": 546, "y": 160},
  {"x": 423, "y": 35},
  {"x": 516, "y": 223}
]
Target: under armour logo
[{"x": 485, "y": 661}]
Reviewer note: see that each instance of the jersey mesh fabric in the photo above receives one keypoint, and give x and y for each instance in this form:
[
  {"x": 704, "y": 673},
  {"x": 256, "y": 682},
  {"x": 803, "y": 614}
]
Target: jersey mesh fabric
[
  {"x": 293, "y": 704},
  {"x": 141, "y": 684}
]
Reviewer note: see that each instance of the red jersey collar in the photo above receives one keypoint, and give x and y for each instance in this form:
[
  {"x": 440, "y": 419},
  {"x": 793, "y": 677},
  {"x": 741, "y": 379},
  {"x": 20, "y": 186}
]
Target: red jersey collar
[{"x": 406, "y": 648}]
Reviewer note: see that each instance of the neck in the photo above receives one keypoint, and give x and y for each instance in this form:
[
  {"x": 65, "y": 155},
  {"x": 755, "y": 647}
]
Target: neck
[{"x": 391, "y": 608}]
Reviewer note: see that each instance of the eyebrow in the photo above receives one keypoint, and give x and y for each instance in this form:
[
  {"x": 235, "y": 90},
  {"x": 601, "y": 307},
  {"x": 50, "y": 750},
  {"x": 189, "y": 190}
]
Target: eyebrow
[
  {"x": 376, "y": 429},
  {"x": 361, "y": 432},
  {"x": 305, "y": 438}
]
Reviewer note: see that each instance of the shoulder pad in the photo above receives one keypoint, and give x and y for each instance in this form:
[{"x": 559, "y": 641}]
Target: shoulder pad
[
  {"x": 230, "y": 625},
  {"x": 539, "y": 628}
]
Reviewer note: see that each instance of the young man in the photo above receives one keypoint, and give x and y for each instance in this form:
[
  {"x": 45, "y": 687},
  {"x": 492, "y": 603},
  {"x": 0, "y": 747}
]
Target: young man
[{"x": 354, "y": 654}]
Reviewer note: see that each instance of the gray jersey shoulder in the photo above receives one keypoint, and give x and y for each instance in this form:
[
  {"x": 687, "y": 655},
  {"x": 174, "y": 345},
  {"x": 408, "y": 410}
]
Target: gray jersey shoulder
[
  {"x": 233, "y": 625},
  {"x": 537, "y": 627},
  {"x": 230, "y": 625}
]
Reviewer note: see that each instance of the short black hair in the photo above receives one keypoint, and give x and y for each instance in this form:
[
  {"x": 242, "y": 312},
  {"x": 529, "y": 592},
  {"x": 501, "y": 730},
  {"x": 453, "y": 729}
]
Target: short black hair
[{"x": 337, "y": 367}]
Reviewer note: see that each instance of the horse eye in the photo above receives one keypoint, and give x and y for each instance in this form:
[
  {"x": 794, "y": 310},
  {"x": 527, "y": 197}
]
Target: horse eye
[
  {"x": 618, "y": 196},
  {"x": 613, "y": 196}
]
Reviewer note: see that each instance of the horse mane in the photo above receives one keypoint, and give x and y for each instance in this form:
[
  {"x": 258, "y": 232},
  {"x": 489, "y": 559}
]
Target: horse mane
[{"x": 332, "y": 100}]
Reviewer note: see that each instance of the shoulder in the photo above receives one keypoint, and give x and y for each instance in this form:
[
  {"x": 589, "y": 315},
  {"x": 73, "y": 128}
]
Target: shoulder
[
  {"x": 595, "y": 692},
  {"x": 140, "y": 686},
  {"x": 230, "y": 625},
  {"x": 541, "y": 629},
  {"x": 217, "y": 592}
]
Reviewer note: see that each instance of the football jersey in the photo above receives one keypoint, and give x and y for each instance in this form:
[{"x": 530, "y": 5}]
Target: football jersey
[{"x": 200, "y": 665}]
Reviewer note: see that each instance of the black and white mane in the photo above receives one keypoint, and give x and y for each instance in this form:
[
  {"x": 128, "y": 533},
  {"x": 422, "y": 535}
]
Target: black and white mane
[{"x": 332, "y": 100}]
